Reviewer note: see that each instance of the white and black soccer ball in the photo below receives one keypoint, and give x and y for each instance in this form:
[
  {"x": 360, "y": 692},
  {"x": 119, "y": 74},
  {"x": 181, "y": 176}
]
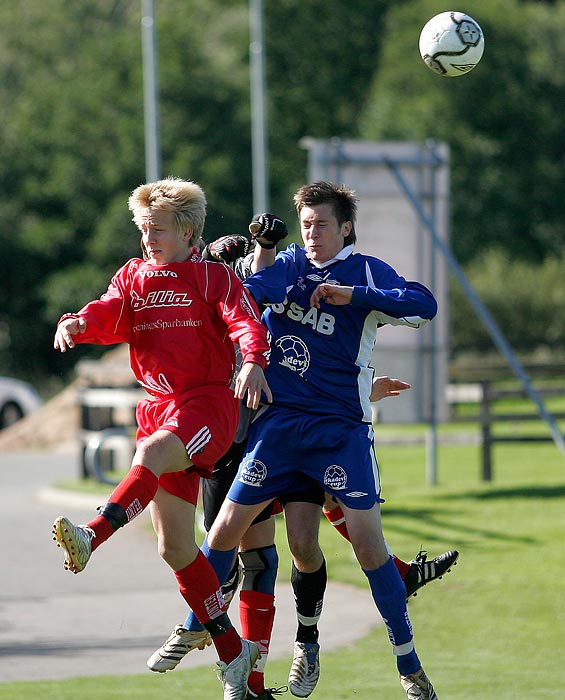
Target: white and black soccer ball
[{"x": 451, "y": 44}]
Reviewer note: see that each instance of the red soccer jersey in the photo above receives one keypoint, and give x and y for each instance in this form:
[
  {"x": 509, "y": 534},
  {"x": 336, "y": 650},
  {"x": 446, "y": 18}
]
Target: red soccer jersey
[{"x": 180, "y": 320}]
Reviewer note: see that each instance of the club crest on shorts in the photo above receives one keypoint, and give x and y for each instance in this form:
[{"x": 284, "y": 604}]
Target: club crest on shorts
[
  {"x": 335, "y": 477},
  {"x": 253, "y": 472}
]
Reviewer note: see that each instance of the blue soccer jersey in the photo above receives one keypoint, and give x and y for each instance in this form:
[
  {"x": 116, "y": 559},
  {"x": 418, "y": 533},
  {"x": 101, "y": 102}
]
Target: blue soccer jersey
[{"x": 320, "y": 358}]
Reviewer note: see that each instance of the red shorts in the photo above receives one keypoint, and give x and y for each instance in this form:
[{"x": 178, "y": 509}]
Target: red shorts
[{"x": 205, "y": 420}]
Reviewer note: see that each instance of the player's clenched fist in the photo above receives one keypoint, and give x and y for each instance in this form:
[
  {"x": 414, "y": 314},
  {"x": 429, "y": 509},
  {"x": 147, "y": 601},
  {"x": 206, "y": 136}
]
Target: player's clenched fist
[
  {"x": 267, "y": 230},
  {"x": 65, "y": 331},
  {"x": 227, "y": 249},
  {"x": 331, "y": 294}
]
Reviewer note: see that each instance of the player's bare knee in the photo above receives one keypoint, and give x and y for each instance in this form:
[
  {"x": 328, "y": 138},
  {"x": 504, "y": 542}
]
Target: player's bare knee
[
  {"x": 177, "y": 554},
  {"x": 306, "y": 553},
  {"x": 369, "y": 556},
  {"x": 162, "y": 452}
]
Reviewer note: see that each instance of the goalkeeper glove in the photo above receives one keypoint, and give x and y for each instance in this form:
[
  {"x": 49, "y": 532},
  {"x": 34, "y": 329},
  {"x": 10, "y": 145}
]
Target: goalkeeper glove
[
  {"x": 269, "y": 228},
  {"x": 227, "y": 249}
]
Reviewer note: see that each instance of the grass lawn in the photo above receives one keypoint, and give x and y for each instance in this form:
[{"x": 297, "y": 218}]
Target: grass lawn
[{"x": 491, "y": 629}]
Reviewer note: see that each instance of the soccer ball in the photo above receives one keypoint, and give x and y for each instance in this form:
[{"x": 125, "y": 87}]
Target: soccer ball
[{"x": 451, "y": 44}]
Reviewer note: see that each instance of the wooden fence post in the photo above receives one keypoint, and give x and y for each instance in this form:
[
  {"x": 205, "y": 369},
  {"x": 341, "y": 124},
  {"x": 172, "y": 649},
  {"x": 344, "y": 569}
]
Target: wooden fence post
[{"x": 486, "y": 399}]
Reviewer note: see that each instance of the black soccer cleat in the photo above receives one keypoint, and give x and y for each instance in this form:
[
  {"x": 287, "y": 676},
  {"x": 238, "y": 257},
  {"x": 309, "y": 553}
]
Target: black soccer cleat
[
  {"x": 423, "y": 571},
  {"x": 267, "y": 694}
]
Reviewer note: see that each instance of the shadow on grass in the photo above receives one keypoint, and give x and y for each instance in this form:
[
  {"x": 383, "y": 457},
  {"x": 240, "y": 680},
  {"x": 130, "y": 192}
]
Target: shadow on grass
[
  {"x": 427, "y": 522},
  {"x": 545, "y": 492},
  {"x": 57, "y": 647}
]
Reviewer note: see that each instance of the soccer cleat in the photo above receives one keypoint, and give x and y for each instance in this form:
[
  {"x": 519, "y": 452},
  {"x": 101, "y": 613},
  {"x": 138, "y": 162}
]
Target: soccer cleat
[
  {"x": 305, "y": 669},
  {"x": 233, "y": 676},
  {"x": 423, "y": 571},
  {"x": 76, "y": 541},
  {"x": 417, "y": 686},
  {"x": 267, "y": 694},
  {"x": 176, "y": 648}
]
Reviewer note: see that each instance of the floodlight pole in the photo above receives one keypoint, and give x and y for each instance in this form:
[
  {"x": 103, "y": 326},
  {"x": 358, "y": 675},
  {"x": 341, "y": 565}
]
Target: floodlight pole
[
  {"x": 432, "y": 432},
  {"x": 259, "y": 150},
  {"x": 150, "y": 92}
]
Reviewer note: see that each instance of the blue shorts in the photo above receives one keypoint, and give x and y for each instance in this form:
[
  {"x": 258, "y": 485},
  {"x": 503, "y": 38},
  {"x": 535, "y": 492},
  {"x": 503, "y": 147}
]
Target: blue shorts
[{"x": 287, "y": 448}]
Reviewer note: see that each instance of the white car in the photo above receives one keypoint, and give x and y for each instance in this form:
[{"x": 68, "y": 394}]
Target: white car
[{"x": 17, "y": 399}]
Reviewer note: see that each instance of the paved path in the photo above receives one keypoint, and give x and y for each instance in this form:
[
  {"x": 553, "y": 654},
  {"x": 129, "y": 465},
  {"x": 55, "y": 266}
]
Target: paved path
[{"x": 112, "y": 616}]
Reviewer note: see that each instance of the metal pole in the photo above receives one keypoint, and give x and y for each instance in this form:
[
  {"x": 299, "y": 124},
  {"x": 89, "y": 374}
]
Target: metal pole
[
  {"x": 483, "y": 313},
  {"x": 150, "y": 92},
  {"x": 432, "y": 436},
  {"x": 259, "y": 150}
]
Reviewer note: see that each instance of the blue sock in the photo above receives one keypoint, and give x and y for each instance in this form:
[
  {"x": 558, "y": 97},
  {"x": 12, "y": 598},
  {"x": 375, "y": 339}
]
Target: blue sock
[
  {"x": 389, "y": 594},
  {"x": 191, "y": 623},
  {"x": 222, "y": 563}
]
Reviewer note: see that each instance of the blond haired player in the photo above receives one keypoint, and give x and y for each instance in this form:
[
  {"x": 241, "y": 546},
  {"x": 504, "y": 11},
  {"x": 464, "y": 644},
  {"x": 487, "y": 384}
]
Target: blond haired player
[{"x": 180, "y": 316}]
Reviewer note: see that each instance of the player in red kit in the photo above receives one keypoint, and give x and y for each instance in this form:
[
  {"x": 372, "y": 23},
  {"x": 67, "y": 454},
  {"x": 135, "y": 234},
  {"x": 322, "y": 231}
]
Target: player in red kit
[{"x": 180, "y": 316}]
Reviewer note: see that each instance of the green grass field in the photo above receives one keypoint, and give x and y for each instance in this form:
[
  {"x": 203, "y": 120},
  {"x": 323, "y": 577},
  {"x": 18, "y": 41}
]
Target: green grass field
[{"x": 492, "y": 628}]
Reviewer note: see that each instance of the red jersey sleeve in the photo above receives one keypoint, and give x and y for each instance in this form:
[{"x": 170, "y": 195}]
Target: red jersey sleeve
[
  {"x": 107, "y": 319},
  {"x": 239, "y": 312}
]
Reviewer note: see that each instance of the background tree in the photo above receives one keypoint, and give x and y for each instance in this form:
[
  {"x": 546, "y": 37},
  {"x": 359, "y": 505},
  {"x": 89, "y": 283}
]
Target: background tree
[
  {"x": 72, "y": 136},
  {"x": 503, "y": 125},
  {"x": 502, "y": 122}
]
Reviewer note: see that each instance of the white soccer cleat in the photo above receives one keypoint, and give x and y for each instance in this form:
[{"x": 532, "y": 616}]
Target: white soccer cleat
[
  {"x": 76, "y": 541},
  {"x": 177, "y": 646},
  {"x": 233, "y": 676},
  {"x": 305, "y": 670},
  {"x": 417, "y": 686}
]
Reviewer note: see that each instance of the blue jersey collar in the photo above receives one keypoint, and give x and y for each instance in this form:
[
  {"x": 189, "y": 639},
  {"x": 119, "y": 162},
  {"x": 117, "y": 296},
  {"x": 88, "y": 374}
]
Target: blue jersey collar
[{"x": 342, "y": 255}]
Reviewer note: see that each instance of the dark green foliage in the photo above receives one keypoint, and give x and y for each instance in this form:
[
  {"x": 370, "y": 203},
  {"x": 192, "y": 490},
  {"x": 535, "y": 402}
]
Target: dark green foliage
[
  {"x": 502, "y": 122},
  {"x": 526, "y": 300},
  {"x": 72, "y": 131}
]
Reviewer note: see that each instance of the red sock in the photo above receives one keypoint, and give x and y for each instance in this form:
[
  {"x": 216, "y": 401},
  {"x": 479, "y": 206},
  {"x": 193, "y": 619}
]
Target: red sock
[
  {"x": 337, "y": 519},
  {"x": 200, "y": 587},
  {"x": 402, "y": 566},
  {"x": 257, "y": 615},
  {"x": 133, "y": 494},
  {"x": 102, "y": 531}
]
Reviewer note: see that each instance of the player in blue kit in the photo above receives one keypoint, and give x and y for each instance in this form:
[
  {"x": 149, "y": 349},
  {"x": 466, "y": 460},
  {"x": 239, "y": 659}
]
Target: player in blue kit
[{"x": 326, "y": 303}]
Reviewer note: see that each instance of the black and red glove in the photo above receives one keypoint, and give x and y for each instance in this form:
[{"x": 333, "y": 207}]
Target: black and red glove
[
  {"x": 269, "y": 229},
  {"x": 227, "y": 249}
]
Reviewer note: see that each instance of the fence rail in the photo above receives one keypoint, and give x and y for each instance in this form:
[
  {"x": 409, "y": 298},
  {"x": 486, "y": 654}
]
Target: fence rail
[
  {"x": 108, "y": 415},
  {"x": 487, "y": 396}
]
